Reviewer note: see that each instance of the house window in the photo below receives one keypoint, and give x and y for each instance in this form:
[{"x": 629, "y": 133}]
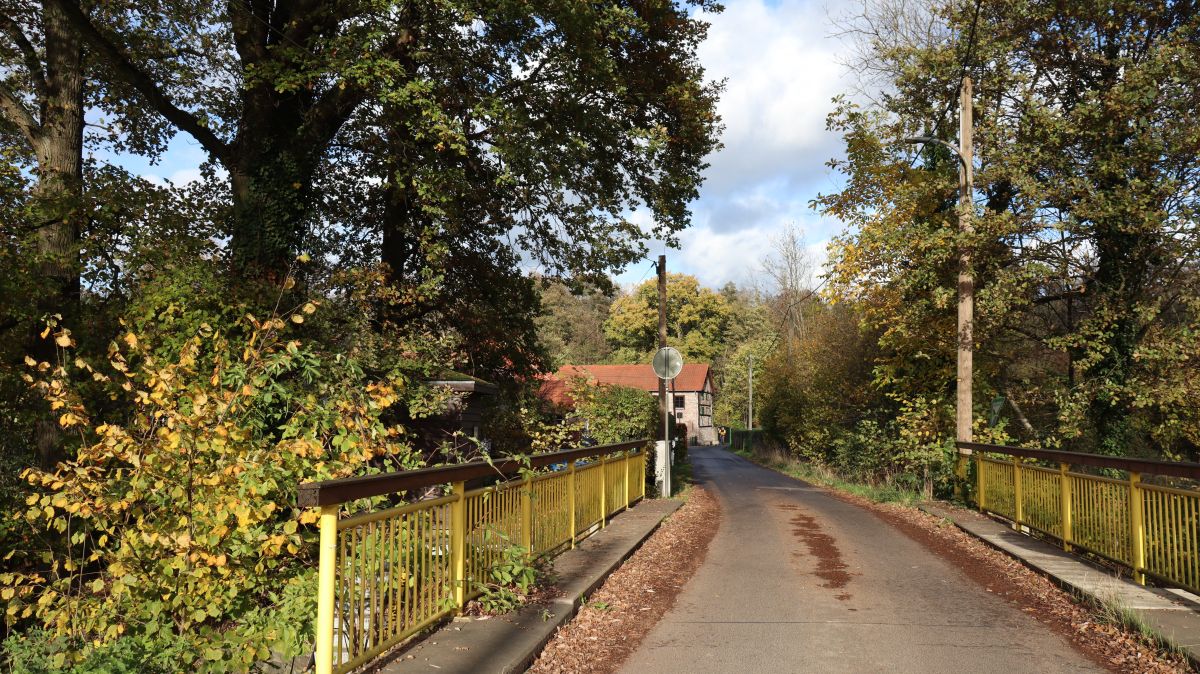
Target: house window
[{"x": 678, "y": 402}]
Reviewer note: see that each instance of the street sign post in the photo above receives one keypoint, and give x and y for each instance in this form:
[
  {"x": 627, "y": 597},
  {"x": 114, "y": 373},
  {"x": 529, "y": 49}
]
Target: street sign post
[{"x": 667, "y": 364}]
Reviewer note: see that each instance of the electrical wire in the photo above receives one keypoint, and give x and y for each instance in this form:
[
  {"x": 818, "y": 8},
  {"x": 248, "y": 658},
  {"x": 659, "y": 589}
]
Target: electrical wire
[{"x": 964, "y": 66}]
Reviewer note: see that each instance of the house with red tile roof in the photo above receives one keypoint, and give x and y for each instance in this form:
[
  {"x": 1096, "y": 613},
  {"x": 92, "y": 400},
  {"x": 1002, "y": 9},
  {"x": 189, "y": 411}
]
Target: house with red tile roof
[{"x": 691, "y": 392}]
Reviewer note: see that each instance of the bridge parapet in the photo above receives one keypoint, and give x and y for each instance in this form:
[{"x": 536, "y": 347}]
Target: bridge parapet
[
  {"x": 386, "y": 574},
  {"x": 1153, "y": 529}
]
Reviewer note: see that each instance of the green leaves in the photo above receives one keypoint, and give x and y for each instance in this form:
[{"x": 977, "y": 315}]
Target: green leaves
[{"x": 199, "y": 544}]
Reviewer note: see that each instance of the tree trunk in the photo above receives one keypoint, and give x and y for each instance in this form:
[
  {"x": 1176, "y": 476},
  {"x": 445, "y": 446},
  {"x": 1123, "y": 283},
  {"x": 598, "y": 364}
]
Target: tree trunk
[
  {"x": 271, "y": 187},
  {"x": 58, "y": 148},
  {"x": 1120, "y": 280}
]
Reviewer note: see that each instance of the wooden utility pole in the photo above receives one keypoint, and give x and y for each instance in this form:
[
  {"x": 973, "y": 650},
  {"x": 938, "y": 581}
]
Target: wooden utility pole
[
  {"x": 966, "y": 283},
  {"x": 750, "y": 404}
]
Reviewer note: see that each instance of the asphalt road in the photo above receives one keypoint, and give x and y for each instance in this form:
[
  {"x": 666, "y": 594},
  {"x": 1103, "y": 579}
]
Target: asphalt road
[{"x": 799, "y": 581}]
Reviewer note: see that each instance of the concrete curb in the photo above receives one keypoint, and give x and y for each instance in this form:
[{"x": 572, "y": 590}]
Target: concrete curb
[
  {"x": 1170, "y": 613},
  {"x": 509, "y": 644}
]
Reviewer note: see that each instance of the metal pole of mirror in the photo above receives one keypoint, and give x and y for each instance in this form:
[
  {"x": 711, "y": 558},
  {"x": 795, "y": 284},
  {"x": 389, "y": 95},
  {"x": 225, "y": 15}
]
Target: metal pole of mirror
[{"x": 667, "y": 364}]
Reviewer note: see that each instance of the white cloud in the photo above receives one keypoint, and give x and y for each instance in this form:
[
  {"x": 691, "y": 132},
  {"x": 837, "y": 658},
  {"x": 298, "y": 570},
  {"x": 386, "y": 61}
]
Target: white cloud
[
  {"x": 181, "y": 178},
  {"x": 781, "y": 70}
]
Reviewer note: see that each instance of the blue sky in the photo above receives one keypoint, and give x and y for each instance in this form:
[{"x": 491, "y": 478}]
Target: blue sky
[{"x": 782, "y": 69}]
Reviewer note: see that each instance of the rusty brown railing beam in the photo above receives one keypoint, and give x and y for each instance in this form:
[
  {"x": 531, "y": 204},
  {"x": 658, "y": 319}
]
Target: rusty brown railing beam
[{"x": 332, "y": 492}]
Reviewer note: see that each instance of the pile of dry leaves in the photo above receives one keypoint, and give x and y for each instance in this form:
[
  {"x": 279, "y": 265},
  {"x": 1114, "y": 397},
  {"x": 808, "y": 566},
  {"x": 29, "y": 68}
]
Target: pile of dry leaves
[{"x": 613, "y": 621}]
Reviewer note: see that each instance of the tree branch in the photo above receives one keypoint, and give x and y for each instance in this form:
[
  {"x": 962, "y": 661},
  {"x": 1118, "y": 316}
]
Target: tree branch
[
  {"x": 330, "y": 112},
  {"x": 144, "y": 84},
  {"x": 32, "y": 63},
  {"x": 15, "y": 111}
]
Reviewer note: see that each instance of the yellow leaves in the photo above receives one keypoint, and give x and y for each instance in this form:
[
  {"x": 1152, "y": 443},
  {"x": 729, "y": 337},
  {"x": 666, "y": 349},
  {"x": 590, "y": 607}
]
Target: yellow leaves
[
  {"x": 64, "y": 340},
  {"x": 30, "y": 361},
  {"x": 130, "y": 339},
  {"x": 297, "y": 318},
  {"x": 68, "y": 420},
  {"x": 8, "y": 593},
  {"x": 309, "y": 308}
]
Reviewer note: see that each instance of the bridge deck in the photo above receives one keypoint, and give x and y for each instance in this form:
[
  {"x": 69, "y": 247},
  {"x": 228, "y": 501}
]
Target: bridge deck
[{"x": 799, "y": 581}]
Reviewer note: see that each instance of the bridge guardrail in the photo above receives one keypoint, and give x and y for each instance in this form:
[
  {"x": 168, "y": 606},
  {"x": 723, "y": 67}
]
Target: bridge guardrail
[
  {"x": 1154, "y": 530},
  {"x": 384, "y": 575}
]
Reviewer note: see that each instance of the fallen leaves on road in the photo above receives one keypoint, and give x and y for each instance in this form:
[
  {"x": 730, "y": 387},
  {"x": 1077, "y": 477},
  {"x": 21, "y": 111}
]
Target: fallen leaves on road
[
  {"x": 615, "y": 619},
  {"x": 1108, "y": 646}
]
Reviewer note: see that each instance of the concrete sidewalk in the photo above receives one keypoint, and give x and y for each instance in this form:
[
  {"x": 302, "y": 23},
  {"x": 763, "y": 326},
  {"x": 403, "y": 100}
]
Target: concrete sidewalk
[
  {"x": 1174, "y": 614},
  {"x": 510, "y": 643}
]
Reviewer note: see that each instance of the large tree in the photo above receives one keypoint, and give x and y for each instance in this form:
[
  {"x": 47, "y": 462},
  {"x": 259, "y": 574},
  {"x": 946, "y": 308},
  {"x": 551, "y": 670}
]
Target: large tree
[
  {"x": 698, "y": 320},
  {"x": 42, "y": 108},
  {"x": 1085, "y": 246},
  {"x": 533, "y": 125},
  {"x": 572, "y": 325}
]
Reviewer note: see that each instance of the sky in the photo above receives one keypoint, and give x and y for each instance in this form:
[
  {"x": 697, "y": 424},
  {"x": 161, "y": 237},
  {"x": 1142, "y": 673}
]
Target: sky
[{"x": 782, "y": 68}]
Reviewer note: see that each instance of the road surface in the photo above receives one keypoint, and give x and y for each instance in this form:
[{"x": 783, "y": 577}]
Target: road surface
[{"x": 799, "y": 581}]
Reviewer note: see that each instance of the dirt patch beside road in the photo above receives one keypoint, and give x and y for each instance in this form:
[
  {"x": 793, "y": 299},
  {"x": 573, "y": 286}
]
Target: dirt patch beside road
[{"x": 615, "y": 619}]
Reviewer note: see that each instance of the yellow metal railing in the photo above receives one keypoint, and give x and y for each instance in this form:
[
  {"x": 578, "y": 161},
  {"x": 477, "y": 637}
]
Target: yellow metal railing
[
  {"x": 385, "y": 575},
  {"x": 1149, "y": 528}
]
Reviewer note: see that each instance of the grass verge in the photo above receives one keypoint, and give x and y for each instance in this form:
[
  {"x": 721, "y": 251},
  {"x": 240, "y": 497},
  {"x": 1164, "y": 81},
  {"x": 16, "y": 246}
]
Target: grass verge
[
  {"x": 1111, "y": 611},
  {"x": 781, "y": 462}
]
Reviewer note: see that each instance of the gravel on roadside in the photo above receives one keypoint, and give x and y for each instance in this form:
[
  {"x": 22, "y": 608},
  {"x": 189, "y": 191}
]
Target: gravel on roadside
[{"x": 614, "y": 620}]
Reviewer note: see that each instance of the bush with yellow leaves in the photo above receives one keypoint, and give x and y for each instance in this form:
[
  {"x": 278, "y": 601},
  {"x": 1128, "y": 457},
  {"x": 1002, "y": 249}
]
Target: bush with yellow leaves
[{"x": 172, "y": 537}]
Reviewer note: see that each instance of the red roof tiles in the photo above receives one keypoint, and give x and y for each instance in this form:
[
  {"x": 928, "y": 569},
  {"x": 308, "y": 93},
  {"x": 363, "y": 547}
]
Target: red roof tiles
[{"x": 554, "y": 388}]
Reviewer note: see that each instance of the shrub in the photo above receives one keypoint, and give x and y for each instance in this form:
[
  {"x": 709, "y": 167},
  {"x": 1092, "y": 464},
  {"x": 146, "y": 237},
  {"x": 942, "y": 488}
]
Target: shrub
[
  {"x": 172, "y": 532},
  {"x": 615, "y": 413}
]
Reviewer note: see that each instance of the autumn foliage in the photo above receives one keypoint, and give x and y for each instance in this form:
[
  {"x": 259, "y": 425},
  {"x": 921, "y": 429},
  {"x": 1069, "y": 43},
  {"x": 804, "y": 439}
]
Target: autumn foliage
[{"x": 174, "y": 527}]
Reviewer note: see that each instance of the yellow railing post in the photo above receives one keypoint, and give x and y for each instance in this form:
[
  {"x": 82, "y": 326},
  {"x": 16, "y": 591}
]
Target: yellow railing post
[
  {"x": 1064, "y": 496},
  {"x": 571, "y": 498},
  {"x": 458, "y": 544},
  {"x": 603, "y": 491},
  {"x": 326, "y": 582},
  {"x": 625, "y": 461},
  {"x": 1018, "y": 495},
  {"x": 979, "y": 480},
  {"x": 1137, "y": 542},
  {"x": 527, "y": 516}
]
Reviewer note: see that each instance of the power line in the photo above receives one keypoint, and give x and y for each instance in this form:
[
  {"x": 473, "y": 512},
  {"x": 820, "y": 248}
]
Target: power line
[
  {"x": 964, "y": 65},
  {"x": 653, "y": 265}
]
